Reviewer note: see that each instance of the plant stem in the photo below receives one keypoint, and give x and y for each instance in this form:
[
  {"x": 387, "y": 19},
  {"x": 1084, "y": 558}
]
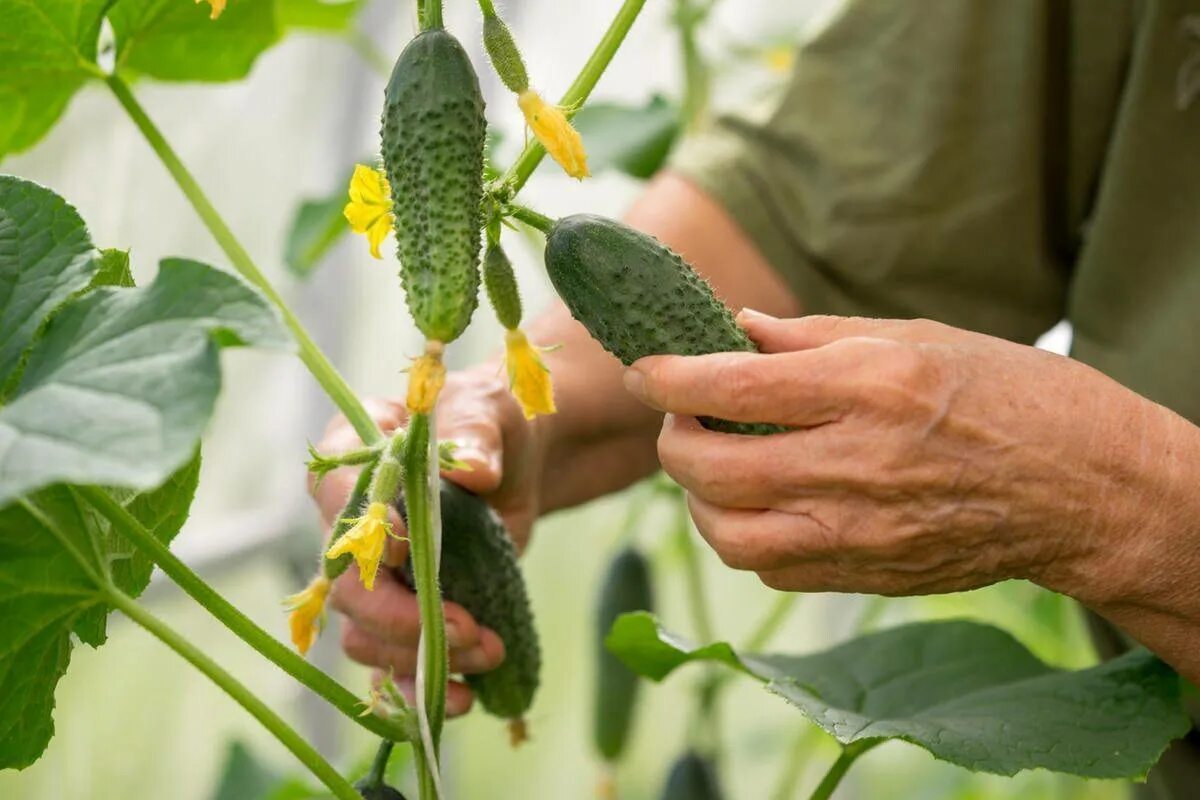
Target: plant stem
[
  {"x": 421, "y": 485},
  {"x": 530, "y": 217},
  {"x": 325, "y": 373},
  {"x": 793, "y": 767},
  {"x": 433, "y": 15},
  {"x": 688, "y": 19},
  {"x": 694, "y": 575},
  {"x": 577, "y": 94},
  {"x": 287, "y": 735},
  {"x": 242, "y": 626},
  {"x": 378, "y": 774},
  {"x": 776, "y": 615},
  {"x": 837, "y": 771}
]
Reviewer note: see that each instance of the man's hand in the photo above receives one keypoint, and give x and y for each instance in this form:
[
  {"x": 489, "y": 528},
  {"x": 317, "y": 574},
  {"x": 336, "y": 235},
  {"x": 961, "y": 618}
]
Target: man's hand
[
  {"x": 382, "y": 627},
  {"x": 924, "y": 459}
]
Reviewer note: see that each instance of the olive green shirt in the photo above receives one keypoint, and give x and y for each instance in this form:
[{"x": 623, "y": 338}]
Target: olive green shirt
[{"x": 998, "y": 165}]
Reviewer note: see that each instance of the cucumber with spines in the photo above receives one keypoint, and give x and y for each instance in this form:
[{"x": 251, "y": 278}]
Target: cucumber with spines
[{"x": 626, "y": 588}]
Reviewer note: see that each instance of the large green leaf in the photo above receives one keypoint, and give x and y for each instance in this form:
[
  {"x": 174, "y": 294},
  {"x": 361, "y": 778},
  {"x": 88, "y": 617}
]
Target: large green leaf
[
  {"x": 46, "y": 595},
  {"x": 119, "y": 388},
  {"x": 316, "y": 227},
  {"x": 968, "y": 693},
  {"x": 47, "y": 51},
  {"x": 633, "y": 139},
  {"x": 174, "y": 40},
  {"x": 45, "y": 257},
  {"x": 328, "y": 16}
]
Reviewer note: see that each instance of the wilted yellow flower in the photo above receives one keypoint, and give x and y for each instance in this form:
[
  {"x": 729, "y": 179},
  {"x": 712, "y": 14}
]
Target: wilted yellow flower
[
  {"x": 370, "y": 208},
  {"x": 528, "y": 376},
  {"x": 426, "y": 377},
  {"x": 217, "y": 7},
  {"x": 365, "y": 541},
  {"x": 552, "y": 128},
  {"x": 307, "y": 613}
]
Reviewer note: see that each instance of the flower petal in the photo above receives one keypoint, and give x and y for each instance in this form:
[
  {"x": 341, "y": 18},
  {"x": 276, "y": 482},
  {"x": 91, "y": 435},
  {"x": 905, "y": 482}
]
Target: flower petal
[
  {"x": 552, "y": 128},
  {"x": 528, "y": 377}
]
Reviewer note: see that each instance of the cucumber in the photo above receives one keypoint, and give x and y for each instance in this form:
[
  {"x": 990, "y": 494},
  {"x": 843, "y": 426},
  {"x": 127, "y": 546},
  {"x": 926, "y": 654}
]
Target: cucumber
[
  {"x": 480, "y": 572},
  {"x": 381, "y": 792},
  {"x": 638, "y": 298},
  {"x": 626, "y": 588},
  {"x": 433, "y": 139},
  {"x": 692, "y": 777}
]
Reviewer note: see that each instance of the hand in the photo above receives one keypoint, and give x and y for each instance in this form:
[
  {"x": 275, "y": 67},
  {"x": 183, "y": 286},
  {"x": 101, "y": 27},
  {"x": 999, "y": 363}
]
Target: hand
[
  {"x": 924, "y": 459},
  {"x": 382, "y": 627}
]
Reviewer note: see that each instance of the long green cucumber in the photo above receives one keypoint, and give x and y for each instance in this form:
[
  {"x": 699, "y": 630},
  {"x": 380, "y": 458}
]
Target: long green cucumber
[
  {"x": 638, "y": 298},
  {"x": 627, "y": 587}
]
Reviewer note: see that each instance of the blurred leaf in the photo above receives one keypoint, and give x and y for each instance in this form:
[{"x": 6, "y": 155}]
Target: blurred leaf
[
  {"x": 47, "y": 51},
  {"x": 121, "y": 385},
  {"x": 317, "y": 15},
  {"x": 968, "y": 693},
  {"x": 174, "y": 40},
  {"x": 633, "y": 139},
  {"x": 316, "y": 227},
  {"x": 113, "y": 270},
  {"x": 244, "y": 777}
]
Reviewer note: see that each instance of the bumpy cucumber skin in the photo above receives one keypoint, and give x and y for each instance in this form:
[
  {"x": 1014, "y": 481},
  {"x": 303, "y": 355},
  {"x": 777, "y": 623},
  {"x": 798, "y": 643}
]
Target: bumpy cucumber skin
[
  {"x": 500, "y": 282},
  {"x": 638, "y": 298},
  {"x": 692, "y": 778},
  {"x": 627, "y": 587},
  {"x": 433, "y": 141},
  {"x": 480, "y": 572}
]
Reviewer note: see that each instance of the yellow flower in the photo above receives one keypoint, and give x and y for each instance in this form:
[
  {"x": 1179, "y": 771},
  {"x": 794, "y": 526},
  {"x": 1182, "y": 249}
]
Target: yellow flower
[
  {"x": 528, "y": 376},
  {"x": 365, "y": 541},
  {"x": 217, "y": 7},
  {"x": 307, "y": 613},
  {"x": 426, "y": 377},
  {"x": 370, "y": 208},
  {"x": 780, "y": 58},
  {"x": 552, "y": 128}
]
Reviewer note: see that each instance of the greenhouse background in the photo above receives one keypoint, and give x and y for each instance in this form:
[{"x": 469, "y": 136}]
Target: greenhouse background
[{"x": 290, "y": 132}]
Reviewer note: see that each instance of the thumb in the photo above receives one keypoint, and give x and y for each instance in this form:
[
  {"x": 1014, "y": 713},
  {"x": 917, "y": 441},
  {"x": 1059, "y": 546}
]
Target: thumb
[{"x": 775, "y": 335}]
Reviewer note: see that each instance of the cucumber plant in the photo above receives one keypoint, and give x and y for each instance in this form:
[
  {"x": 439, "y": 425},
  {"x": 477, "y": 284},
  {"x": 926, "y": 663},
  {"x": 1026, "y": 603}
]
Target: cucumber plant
[{"x": 106, "y": 387}]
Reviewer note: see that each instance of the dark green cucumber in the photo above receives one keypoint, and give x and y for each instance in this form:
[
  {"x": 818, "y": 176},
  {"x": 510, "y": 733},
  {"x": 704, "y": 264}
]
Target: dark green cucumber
[
  {"x": 638, "y": 298},
  {"x": 692, "y": 778},
  {"x": 480, "y": 572},
  {"x": 626, "y": 588},
  {"x": 433, "y": 141},
  {"x": 381, "y": 792}
]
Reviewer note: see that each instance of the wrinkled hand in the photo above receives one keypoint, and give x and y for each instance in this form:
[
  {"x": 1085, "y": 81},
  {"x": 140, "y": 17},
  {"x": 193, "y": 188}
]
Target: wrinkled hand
[
  {"x": 924, "y": 458},
  {"x": 382, "y": 627}
]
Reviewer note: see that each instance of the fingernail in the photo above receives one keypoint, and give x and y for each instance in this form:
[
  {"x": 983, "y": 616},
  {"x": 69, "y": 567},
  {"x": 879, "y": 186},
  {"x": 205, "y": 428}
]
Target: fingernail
[
  {"x": 635, "y": 381},
  {"x": 752, "y": 314},
  {"x": 473, "y": 660}
]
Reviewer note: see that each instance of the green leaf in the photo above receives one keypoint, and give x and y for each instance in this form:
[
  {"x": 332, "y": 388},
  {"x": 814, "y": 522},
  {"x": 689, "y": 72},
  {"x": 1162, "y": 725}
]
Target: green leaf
[
  {"x": 174, "y": 40},
  {"x": 47, "y": 51},
  {"x": 968, "y": 693},
  {"x": 121, "y": 385},
  {"x": 114, "y": 270},
  {"x": 635, "y": 140},
  {"x": 244, "y": 776},
  {"x": 318, "y": 15},
  {"x": 316, "y": 227},
  {"x": 46, "y": 256},
  {"x": 46, "y": 594}
]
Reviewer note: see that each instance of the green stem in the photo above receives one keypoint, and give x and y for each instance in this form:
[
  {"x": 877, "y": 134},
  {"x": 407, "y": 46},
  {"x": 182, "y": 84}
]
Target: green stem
[
  {"x": 433, "y": 15},
  {"x": 837, "y": 771},
  {"x": 793, "y": 767},
  {"x": 325, "y": 373},
  {"x": 287, "y": 735},
  {"x": 378, "y": 775},
  {"x": 694, "y": 575},
  {"x": 696, "y": 81},
  {"x": 577, "y": 94},
  {"x": 530, "y": 217},
  {"x": 423, "y": 535},
  {"x": 767, "y": 627},
  {"x": 232, "y": 618}
]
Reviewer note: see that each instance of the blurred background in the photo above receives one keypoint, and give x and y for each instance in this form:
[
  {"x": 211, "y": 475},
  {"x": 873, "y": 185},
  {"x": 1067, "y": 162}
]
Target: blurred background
[{"x": 135, "y": 722}]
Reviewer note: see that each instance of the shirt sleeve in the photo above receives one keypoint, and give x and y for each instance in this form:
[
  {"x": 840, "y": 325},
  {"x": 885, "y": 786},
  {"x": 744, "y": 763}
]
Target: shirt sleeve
[{"x": 901, "y": 170}]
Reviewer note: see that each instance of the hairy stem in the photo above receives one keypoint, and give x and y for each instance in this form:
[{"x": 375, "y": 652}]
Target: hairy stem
[
  {"x": 530, "y": 217},
  {"x": 320, "y": 367},
  {"x": 242, "y": 626},
  {"x": 837, "y": 771},
  {"x": 244, "y": 697},
  {"x": 432, "y": 18},
  {"x": 577, "y": 94}
]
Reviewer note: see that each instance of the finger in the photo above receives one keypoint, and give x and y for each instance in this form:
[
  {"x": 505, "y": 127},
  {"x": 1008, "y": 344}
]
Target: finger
[
  {"x": 759, "y": 540},
  {"x": 800, "y": 389},
  {"x": 459, "y": 697},
  {"x": 366, "y": 648},
  {"x": 775, "y": 335},
  {"x": 749, "y": 472},
  {"x": 388, "y": 415},
  {"x": 478, "y": 444},
  {"x": 391, "y": 612}
]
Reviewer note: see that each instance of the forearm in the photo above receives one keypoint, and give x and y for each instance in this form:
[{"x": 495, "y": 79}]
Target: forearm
[{"x": 602, "y": 439}]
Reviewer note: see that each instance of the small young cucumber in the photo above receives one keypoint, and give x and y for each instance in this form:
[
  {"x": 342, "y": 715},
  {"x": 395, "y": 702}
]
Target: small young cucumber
[
  {"x": 480, "y": 572},
  {"x": 638, "y": 298},
  {"x": 626, "y": 588},
  {"x": 692, "y": 778},
  {"x": 433, "y": 143}
]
